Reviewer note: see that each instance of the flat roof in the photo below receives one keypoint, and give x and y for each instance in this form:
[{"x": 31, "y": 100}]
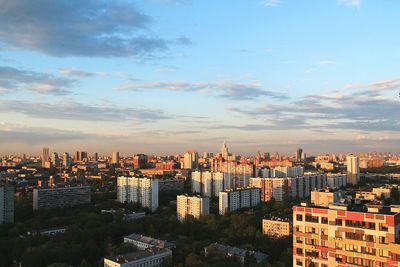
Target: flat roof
[{"x": 137, "y": 255}]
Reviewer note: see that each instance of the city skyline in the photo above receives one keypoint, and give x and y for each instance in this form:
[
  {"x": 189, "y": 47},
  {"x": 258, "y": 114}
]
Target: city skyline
[{"x": 166, "y": 76}]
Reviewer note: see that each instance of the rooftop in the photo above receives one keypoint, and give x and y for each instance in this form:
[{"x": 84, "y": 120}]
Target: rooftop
[
  {"x": 149, "y": 240},
  {"x": 136, "y": 255}
]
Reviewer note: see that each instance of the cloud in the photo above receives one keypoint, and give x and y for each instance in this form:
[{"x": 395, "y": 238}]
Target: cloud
[
  {"x": 17, "y": 133},
  {"x": 362, "y": 110},
  {"x": 271, "y": 3},
  {"x": 92, "y": 28},
  {"x": 12, "y": 79},
  {"x": 77, "y": 72},
  {"x": 166, "y": 69},
  {"x": 224, "y": 89},
  {"x": 69, "y": 110},
  {"x": 355, "y": 3},
  {"x": 386, "y": 85},
  {"x": 326, "y": 62}
]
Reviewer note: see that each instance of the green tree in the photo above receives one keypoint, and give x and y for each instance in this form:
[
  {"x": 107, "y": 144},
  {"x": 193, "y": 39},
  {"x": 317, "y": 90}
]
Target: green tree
[{"x": 193, "y": 260}]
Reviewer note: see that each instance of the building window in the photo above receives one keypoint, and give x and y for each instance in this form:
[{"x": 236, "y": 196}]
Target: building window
[
  {"x": 338, "y": 221},
  {"x": 324, "y": 220},
  {"x": 299, "y": 217}
]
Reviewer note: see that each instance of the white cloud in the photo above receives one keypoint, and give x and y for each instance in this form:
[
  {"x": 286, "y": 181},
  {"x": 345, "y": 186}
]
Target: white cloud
[
  {"x": 326, "y": 62},
  {"x": 355, "y": 3},
  {"x": 271, "y": 3},
  {"x": 225, "y": 89}
]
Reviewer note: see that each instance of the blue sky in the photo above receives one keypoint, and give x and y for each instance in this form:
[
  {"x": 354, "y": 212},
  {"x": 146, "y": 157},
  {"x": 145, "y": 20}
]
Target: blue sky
[{"x": 164, "y": 76}]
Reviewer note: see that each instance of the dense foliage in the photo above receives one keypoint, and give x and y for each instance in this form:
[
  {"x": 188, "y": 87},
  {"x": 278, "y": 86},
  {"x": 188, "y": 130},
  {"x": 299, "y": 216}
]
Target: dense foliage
[{"x": 92, "y": 235}]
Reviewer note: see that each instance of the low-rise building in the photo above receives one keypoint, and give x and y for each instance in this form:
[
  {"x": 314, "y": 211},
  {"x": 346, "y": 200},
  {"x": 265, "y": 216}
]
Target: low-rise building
[
  {"x": 325, "y": 197},
  {"x": 277, "y": 227},
  {"x": 151, "y": 257},
  {"x": 142, "y": 242},
  {"x": 238, "y": 253}
]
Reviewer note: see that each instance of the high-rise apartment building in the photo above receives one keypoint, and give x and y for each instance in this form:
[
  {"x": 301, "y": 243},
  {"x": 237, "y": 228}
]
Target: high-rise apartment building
[
  {"x": 115, "y": 157},
  {"x": 353, "y": 169},
  {"x": 299, "y": 154},
  {"x": 59, "y": 197},
  {"x": 336, "y": 180},
  {"x": 45, "y": 156},
  {"x": 231, "y": 200},
  {"x": 6, "y": 204},
  {"x": 346, "y": 234},
  {"x": 195, "y": 206},
  {"x": 54, "y": 159},
  {"x": 280, "y": 188},
  {"x": 66, "y": 160},
  {"x": 210, "y": 183},
  {"x": 190, "y": 160},
  {"x": 287, "y": 171},
  {"x": 143, "y": 191},
  {"x": 140, "y": 161},
  {"x": 81, "y": 156}
]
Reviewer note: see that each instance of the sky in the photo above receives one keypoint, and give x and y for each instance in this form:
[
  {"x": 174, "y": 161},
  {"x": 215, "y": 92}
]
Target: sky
[{"x": 166, "y": 76}]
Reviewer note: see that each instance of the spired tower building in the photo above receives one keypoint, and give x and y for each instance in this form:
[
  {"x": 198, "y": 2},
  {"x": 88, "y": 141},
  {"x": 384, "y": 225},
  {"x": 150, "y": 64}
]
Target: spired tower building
[{"x": 224, "y": 151}]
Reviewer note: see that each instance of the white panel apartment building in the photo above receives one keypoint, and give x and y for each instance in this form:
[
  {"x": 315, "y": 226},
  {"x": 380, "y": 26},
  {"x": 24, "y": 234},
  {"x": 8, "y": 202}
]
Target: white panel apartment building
[
  {"x": 210, "y": 183},
  {"x": 287, "y": 171},
  {"x": 143, "y": 191},
  {"x": 336, "y": 180},
  {"x": 195, "y": 206},
  {"x": 232, "y": 200}
]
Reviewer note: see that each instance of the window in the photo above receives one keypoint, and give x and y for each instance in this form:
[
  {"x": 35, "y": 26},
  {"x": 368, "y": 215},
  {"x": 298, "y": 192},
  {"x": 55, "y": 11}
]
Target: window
[
  {"x": 299, "y": 251},
  {"x": 324, "y": 220},
  {"x": 382, "y": 240},
  {"x": 299, "y": 217},
  {"x": 299, "y": 262},
  {"x": 383, "y": 227},
  {"x": 339, "y": 258},
  {"x": 338, "y": 221}
]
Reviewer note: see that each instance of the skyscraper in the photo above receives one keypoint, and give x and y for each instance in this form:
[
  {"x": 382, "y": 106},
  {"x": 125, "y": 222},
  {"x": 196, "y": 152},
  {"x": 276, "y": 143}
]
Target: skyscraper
[
  {"x": 224, "y": 151},
  {"x": 54, "y": 159},
  {"x": 45, "y": 156},
  {"x": 66, "y": 161},
  {"x": 299, "y": 153},
  {"x": 6, "y": 204},
  {"x": 190, "y": 160},
  {"x": 353, "y": 169},
  {"x": 115, "y": 157},
  {"x": 140, "y": 161}
]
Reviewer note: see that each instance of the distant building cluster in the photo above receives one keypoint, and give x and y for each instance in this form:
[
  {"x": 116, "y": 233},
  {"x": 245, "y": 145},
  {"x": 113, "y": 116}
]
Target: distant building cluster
[{"x": 281, "y": 188}]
